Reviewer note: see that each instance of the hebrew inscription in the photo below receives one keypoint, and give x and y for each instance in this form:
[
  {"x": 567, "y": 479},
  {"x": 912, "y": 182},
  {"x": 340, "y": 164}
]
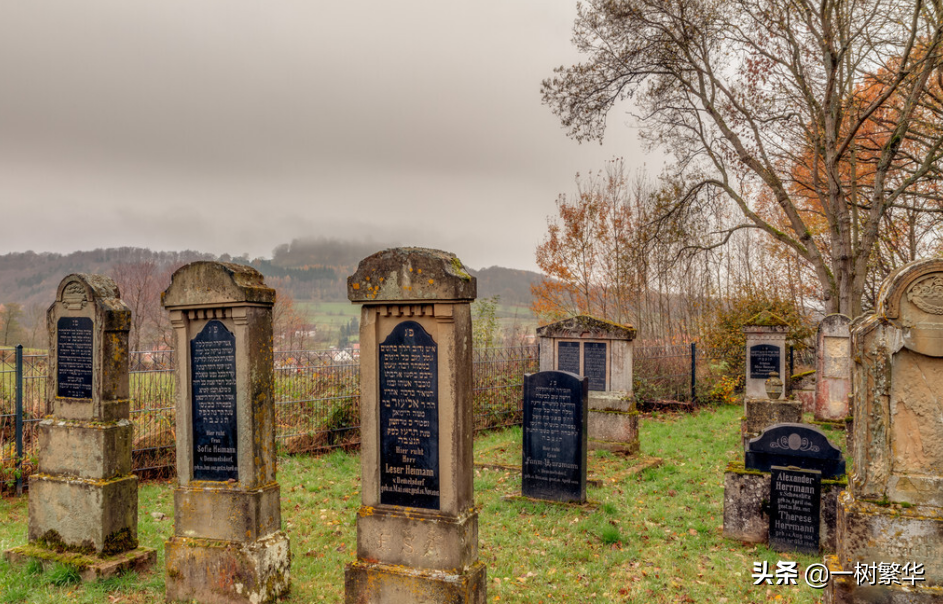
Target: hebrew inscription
[
  {"x": 568, "y": 357},
  {"x": 213, "y": 383},
  {"x": 594, "y": 364},
  {"x": 74, "y": 357}
]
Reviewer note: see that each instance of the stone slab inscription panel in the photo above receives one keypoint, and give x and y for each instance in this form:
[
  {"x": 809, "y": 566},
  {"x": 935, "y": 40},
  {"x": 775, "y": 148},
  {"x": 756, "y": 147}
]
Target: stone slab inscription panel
[
  {"x": 409, "y": 418},
  {"x": 568, "y": 357},
  {"x": 74, "y": 357},
  {"x": 213, "y": 383},
  {"x": 554, "y": 460},
  {"x": 795, "y": 509},
  {"x": 764, "y": 360},
  {"x": 594, "y": 364}
]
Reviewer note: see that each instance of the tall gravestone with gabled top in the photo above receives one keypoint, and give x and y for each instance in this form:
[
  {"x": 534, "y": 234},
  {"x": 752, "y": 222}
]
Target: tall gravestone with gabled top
[
  {"x": 228, "y": 545},
  {"x": 84, "y": 498},
  {"x": 893, "y": 511},
  {"x": 832, "y": 368},
  {"x": 417, "y": 528},
  {"x": 601, "y": 351},
  {"x": 765, "y": 336}
]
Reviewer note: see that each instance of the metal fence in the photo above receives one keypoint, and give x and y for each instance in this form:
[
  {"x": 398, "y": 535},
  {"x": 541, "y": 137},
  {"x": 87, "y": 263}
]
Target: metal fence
[{"x": 317, "y": 396}]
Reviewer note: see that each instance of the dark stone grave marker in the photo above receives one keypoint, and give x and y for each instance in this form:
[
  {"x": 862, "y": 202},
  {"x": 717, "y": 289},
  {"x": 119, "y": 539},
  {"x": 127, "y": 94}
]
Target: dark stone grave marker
[
  {"x": 568, "y": 357},
  {"x": 74, "y": 352},
  {"x": 213, "y": 383},
  {"x": 799, "y": 445},
  {"x": 764, "y": 360},
  {"x": 409, "y": 418},
  {"x": 554, "y": 459},
  {"x": 594, "y": 364},
  {"x": 795, "y": 510}
]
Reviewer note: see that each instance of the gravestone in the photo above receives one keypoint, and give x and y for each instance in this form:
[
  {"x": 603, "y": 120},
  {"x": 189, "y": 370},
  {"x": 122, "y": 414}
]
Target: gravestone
[
  {"x": 794, "y": 517},
  {"x": 749, "y": 485},
  {"x": 602, "y": 352},
  {"x": 228, "y": 545},
  {"x": 417, "y": 528},
  {"x": 797, "y": 445},
  {"x": 554, "y": 452},
  {"x": 832, "y": 368},
  {"x": 765, "y": 353},
  {"x": 893, "y": 511},
  {"x": 83, "y": 498}
]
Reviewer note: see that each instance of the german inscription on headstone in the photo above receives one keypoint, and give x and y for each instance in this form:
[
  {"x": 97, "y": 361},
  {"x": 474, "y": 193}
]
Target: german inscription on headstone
[
  {"x": 594, "y": 364},
  {"x": 409, "y": 418},
  {"x": 74, "y": 350},
  {"x": 568, "y": 357},
  {"x": 555, "y": 411},
  {"x": 795, "y": 504},
  {"x": 213, "y": 380},
  {"x": 764, "y": 360}
]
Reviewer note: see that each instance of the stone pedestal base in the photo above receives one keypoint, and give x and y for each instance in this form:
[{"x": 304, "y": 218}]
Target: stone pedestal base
[
  {"x": 219, "y": 572},
  {"x": 366, "y": 583},
  {"x": 762, "y": 413},
  {"x": 428, "y": 539},
  {"x": 843, "y": 589},
  {"x": 746, "y": 506},
  {"x": 218, "y": 513},
  {"x": 90, "y": 567},
  {"x": 83, "y": 515},
  {"x": 612, "y": 422}
]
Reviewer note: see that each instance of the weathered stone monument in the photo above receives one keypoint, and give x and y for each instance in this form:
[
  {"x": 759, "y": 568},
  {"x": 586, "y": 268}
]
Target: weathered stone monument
[
  {"x": 602, "y": 352},
  {"x": 803, "y": 458},
  {"x": 554, "y": 451},
  {"x": 83, "y": 499},
  {"x": 765, "y": 355},
  {"x": 228, "y": 544},
  {"x": 893, "y": 511},
  {"x": 833, "y": 368},
  {"x": 417, "y": 528}
]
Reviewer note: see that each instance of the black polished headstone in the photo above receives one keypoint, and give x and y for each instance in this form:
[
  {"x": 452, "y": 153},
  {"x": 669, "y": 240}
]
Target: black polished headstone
[
  {"x": 213, "y": 384},
  {"x": 568, "y": 357},
  {"x": 594, "y": 364},
  {"x": 764, "y": 360},
  {"x": 554, "y": 460},
  {"x": 74, "y": 357},
  {"x": 409, "y": 418},
  {"x": 799, "y": 445},
  {"x": 795, "y": 510}
]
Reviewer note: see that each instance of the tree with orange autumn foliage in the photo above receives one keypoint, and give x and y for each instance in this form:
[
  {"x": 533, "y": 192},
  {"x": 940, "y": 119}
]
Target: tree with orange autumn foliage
[{"x": 747, "y": 92}]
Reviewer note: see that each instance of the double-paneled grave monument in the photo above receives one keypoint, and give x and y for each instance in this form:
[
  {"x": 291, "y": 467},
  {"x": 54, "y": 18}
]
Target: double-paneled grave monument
[
  {"x": 892, "y": 513},
  {"x": 602, "y": 352},
  {"x": 554, "y": 451},
  {"x": 765, "y": 336},
  {"x": 83, "y": 498},
  {"x": 417, "y": 527},
  {"x": 228, "y": 545},
  {"x": 785, "y": 489}
]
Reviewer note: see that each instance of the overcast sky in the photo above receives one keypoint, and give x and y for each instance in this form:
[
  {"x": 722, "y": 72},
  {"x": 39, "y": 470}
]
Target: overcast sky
[{"x": 235, "y": 125}]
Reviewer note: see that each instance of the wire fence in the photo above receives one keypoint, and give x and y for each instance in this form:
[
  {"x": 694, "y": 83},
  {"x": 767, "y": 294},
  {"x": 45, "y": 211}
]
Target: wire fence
[{"x": 317, "y": 397}]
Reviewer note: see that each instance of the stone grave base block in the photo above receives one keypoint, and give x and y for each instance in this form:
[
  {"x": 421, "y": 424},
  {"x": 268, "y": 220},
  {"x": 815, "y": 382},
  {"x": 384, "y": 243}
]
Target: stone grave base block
[
  {"x": 868, "y": 532},
  {"x": 84, "y": 409},
  {"x": 595, "y": 444},
  {"x": 611, "y": 401},
  {"x": 366, "y": 583},
  {"x": 417, "y": 538},
  {"x": 761, "y": 413},
  {"x": 87, "y": 515},
  {"x": 842, "y": 589},
  {"x": 215, "y": 572},
  {"x": 225, "y": 514},
  {"x": 746, "y": 500},
  {"x": 90, "y": 567},
  {"x": 613, "y": 426},
  {"x": 93, "y": 450}
]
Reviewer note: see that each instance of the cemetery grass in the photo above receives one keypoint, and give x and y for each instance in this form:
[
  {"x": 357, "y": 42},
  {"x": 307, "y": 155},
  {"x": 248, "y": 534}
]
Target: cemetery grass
[{"x": 652, "y": 537}]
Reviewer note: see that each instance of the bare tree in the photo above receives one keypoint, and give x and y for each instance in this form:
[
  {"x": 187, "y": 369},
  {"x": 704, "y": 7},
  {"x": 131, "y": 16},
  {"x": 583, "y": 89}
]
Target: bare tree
[{"x": 830, "y": 109}]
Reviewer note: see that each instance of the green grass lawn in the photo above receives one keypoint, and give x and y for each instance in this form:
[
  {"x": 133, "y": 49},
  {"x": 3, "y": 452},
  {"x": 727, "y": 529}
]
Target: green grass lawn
[{"x": 653, "y": 537}]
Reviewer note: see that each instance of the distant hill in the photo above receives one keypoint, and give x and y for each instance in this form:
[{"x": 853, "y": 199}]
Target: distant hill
[{"x": 308, "y": 269}]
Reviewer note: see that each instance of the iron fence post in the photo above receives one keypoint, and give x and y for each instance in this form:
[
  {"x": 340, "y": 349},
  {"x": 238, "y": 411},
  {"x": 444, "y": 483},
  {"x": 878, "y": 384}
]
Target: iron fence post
[
  {"x": 19, "y": 419},
  {"x": 693, "y": 371},
  {"x": 792, "y": 361}
]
